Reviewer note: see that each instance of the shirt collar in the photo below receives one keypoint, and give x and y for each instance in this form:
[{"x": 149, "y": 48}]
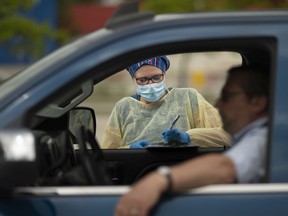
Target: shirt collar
[{"x": 258, "y": 123}]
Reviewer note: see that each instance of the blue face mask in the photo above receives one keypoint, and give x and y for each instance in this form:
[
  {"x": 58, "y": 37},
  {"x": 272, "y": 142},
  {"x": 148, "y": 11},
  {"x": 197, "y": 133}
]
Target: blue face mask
[{"x": 151, "y": 92}]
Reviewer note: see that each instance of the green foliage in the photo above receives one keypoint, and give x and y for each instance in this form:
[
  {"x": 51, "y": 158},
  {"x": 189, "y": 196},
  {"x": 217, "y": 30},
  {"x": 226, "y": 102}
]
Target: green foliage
[
  {"x": 24, "y": 36},
  {"x": 171, "y": 6},
  {"x": 9, "y": 7}
]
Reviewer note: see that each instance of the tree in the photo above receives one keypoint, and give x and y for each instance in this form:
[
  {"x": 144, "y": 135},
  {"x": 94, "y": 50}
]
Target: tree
[
  {"x": 21, "y": 35},
  {"x": 164, "y": 6}
]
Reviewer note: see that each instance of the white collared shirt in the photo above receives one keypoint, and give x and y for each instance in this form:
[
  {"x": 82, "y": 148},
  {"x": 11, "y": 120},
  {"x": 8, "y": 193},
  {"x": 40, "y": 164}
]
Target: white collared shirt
[{"x": 249, "y": 150}]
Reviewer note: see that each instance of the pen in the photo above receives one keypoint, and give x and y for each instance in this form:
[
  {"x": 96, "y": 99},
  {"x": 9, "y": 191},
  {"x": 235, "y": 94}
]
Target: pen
[{"x": 174, "y": 122}]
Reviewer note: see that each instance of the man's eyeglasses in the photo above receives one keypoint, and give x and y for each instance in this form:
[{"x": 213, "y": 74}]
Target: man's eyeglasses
[
  {"x": 145, "y": 80},
  {"x": 225, "y": 96}
]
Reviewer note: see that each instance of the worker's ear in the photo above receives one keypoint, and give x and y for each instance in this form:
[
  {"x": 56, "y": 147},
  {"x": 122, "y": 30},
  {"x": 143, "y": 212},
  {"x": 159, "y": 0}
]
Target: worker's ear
[{"x": 259, "y": 103}]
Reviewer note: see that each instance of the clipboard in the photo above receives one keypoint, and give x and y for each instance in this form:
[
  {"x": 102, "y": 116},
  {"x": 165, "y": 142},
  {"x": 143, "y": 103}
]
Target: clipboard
[{"x": 171, "y": 145}]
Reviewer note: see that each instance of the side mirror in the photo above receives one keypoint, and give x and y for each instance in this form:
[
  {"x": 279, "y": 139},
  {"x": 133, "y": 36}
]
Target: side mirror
[
  {"x": 81, "y": 116},
  {"x": 18, "y": 165}
]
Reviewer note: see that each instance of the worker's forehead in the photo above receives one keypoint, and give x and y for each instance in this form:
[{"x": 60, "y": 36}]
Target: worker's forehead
[{"x": 147, "y": 70}]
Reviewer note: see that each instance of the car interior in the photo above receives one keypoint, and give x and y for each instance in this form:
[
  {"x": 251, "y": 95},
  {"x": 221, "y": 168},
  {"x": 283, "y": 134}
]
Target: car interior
[{"x": 67, "y": 132}]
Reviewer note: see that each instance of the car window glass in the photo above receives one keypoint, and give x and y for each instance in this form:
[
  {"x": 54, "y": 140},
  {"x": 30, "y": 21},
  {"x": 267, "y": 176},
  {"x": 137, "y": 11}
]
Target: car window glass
[{"x": 204, "y": 71}]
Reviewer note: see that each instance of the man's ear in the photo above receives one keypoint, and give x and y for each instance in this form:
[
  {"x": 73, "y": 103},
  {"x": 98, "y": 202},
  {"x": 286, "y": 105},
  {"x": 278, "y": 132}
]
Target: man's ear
[{"x": 260, "y": 104}]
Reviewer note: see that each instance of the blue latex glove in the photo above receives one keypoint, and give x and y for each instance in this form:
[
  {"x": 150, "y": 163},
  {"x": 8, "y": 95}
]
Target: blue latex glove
[
  {"x": 175, "y": 135},
  {"x": 140, "y": 144}
]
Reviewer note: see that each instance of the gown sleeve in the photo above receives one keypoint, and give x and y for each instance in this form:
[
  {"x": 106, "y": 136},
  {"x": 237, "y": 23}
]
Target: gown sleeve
[{"x": 207, "y": 131}]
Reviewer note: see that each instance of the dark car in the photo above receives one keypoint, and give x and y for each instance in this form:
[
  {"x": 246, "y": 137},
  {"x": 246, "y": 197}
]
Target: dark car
[{"x": 47, "y": 115}]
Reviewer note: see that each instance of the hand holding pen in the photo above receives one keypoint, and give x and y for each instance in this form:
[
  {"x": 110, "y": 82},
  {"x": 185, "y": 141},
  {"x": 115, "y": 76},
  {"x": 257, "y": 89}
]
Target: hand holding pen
[
  {"x": 174, "y": 122},
  {"x": 174, "y": 135}
]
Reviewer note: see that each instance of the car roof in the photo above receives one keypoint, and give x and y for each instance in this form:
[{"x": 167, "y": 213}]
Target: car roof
[{"x": 129, "y": 13}]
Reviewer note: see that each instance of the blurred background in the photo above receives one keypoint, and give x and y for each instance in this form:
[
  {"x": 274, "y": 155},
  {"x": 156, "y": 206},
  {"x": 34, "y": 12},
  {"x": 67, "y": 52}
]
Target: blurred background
[{"x": 31, "y": 29}]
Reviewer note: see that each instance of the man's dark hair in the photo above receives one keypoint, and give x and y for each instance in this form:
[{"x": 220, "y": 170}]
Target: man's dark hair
[{"x": 253, "y": 81}]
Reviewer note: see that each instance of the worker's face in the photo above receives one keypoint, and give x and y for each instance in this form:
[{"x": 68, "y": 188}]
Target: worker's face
[
  {"x": 235, "y": 108},
  {"x": 147, "y": 75}
]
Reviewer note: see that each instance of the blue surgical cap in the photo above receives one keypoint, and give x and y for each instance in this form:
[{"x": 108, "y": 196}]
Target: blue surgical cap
[{"x": 162, "y": 62}]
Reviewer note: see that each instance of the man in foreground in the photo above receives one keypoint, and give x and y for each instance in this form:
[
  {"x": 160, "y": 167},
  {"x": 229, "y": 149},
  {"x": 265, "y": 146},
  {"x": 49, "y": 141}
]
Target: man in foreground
[{"x": 243, "y": 106}]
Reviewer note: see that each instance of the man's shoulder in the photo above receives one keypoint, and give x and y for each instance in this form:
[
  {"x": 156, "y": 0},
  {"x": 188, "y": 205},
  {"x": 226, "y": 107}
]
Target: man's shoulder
[
  {"x": 259, "y": 126},
  {"x": 257, "y": 130}
]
